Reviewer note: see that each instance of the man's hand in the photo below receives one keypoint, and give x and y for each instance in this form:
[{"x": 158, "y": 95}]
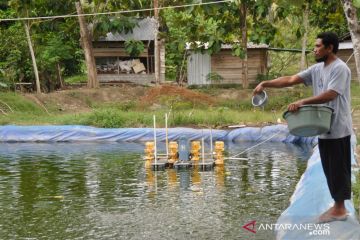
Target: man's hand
[
  {"x": 293, "y": 107},
  {"x": 259, "y": 88},
  {"x": 324, "y": 97}
]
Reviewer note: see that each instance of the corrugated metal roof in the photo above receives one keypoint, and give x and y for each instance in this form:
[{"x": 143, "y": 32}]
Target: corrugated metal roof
[
  {"x": 249, "y": 45},
  {"x": 145, "y": 31},
  {"x": 228, "y": 46}
]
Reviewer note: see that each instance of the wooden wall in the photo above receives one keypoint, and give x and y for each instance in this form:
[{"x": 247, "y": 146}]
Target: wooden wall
[
  {"x": 116, "y": 49},
  {"x": 230, "y": 67},
  {"x": 344, "y": 54}
]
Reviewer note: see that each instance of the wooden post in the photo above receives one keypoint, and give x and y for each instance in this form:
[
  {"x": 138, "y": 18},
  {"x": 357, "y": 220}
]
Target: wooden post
[
  {"x": 58, "y": 71},
  {"x": 156, "y": 44},
  {"x": 243, "y": 26},
  {"x": 88, "y": 50},
  {"x": 147, "y": 58}
]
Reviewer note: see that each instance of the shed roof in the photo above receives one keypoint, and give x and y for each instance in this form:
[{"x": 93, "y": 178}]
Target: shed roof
[
  {"x": 229, "y": 46},
  {"x": 346, "y": 45},
  {"x": 145, "y": 31}
]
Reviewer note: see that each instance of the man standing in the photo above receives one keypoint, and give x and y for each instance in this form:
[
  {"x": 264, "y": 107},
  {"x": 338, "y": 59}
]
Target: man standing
[{"x": 330, "y": 79}]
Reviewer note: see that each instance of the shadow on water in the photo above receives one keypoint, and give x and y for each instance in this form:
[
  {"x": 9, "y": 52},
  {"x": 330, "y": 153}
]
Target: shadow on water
[{"x": 102, "y": 191}]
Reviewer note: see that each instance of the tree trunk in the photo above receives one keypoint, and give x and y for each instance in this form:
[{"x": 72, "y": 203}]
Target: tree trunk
[
  {"x": 305, "y": 37},
  {"x": 36, "y": 72},
  {"x": 156, "y": 44},
  {"x": 243, "y": 26},
  {"x": 88, "y": 50},
  {"x": 58, "y": 71},
  {"x": 351, "y": 17}
]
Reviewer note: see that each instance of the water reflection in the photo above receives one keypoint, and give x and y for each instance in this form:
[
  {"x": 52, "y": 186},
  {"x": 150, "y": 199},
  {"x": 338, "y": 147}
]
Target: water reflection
[{"x": 103, "y": 191}]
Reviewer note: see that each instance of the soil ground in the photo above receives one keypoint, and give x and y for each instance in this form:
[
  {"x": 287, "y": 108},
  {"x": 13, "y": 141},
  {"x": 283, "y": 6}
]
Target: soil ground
[{"x": 83, "y": 99}]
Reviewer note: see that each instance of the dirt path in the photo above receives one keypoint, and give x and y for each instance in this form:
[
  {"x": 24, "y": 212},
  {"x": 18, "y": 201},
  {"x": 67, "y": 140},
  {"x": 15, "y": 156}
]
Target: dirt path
[{"x": 83, "y": 99}]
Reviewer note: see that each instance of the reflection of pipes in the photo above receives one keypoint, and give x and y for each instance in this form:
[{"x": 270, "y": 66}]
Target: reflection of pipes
[
  {"x": 203, "y": 150},
  {"x": 220, "y": 176},
  {"x": 245, "y": 175},
  {"x": 184, "y": 179},
  {"x": 150, "y": 179},
  {"x": 211, "y": 145},
  {"x": 172, "y": 177},
  {"x": 195, "y": 177},
  {"x": 155, "y": 150},
  {"x": 166, "y": 136}
]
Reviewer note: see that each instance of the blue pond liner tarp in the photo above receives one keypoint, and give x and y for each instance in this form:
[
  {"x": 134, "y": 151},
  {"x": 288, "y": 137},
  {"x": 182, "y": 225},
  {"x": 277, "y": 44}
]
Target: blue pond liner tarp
[
  {"x": 309, "y": 200},
  {"x": 71, "y": 133}
]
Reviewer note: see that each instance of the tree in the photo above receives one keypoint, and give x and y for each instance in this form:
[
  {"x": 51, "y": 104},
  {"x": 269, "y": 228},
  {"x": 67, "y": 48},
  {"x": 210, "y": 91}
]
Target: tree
[
  {"x": 53, "y": 53},
  {"x": 22, "y": 8},
  {"x": 15, "y": 59},
  {"x": 14, "y": 56},
  {"x": 220, "y": 23},
  {"x": 352, "y": 20},
  {"x": 88, "y": 50},
  {"x": 101, "y": 25}
]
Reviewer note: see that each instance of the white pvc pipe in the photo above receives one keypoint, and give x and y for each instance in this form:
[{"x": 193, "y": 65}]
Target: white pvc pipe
[
  {"x": 155, "y": 148},
  {"x": 235, "y": 158},
  {"x": 166, "y": 136}
]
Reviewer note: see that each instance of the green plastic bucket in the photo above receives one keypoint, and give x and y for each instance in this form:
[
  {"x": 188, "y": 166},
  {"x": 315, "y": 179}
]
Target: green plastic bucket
[{"x": 309, "y": 120}]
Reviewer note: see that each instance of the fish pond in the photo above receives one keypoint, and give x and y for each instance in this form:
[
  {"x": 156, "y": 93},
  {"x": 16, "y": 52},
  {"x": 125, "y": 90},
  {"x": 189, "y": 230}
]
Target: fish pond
[{"x": 103, "y": 191}]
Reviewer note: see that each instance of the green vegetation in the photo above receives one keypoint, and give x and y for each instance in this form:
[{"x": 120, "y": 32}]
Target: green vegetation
[
  {"x": 19, "y": 105},
  {"x": 134, "y": 48},
  {"x": 356, "y": 192},
  {"x": 123, "y": 116},
  {"x": 131, "y": 113},
  {"x": 76, "y": 79},
  {"x": 58, "y": 51}
]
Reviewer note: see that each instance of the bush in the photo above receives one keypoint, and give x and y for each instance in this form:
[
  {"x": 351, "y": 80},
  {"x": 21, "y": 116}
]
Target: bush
[{"x": 81, "y": 78}]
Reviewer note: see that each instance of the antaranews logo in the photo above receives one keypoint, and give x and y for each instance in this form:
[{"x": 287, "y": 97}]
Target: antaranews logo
[
  {"x": 313, "y": 229},
  {"x": 250, "y": 226}
]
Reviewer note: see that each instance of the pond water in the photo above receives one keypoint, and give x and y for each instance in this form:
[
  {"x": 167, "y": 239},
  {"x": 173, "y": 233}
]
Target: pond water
[{"x": 102, "y": 191}]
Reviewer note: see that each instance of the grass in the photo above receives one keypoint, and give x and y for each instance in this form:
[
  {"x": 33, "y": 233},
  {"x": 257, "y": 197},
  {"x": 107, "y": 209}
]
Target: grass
[
  {"x": 18, "y": 104},
  {"x": 109, "y": 118},
  {"x": 184, "y": 113},
  {"x": 76, "y": 79},
  {"x": 355, "y": 101},
  {"x": 356, "y": 192}
]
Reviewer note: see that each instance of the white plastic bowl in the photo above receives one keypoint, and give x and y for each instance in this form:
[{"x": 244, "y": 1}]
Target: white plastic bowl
[{"x": 259, "y": 99}]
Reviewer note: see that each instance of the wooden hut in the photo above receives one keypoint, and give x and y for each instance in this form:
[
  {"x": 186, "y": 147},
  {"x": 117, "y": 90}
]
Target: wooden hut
[
  {"x": 346, "y": 53},
  {"x": 114, "y": 64},
  {"x": 224, "y": 68}
]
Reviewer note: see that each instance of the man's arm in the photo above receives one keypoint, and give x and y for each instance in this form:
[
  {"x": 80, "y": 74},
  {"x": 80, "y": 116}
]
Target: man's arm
[
  {"x": 280, "y": 82},
  {"x": 324, "y": 97}
]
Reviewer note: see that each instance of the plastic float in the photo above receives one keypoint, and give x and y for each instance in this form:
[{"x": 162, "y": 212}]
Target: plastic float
[{"x": 183, "y": 154}]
